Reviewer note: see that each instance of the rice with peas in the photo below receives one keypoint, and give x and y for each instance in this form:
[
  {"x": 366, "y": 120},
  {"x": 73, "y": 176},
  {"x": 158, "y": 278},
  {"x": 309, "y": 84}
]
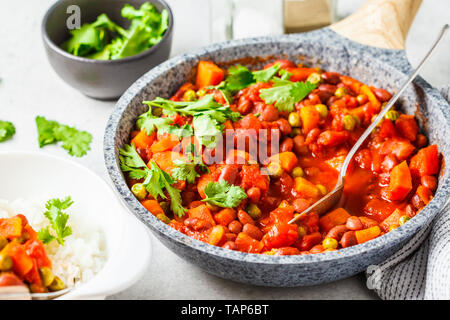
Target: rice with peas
[{"x": 83, "y": 254}]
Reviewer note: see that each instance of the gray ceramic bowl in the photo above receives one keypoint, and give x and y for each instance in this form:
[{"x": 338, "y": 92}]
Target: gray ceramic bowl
[
  {"x": 378, "y": 67},
  {"x": 95, "y": 78}
]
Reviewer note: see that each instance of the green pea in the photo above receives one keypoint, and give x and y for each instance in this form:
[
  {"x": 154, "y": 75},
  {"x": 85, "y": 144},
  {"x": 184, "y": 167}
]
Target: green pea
[
  {"x": 57, "y": 284},
  {"x": 341, "y": 92},
  {"x": 403, "y": 220},
  {"x": 6, "y": 262},
  {"x": 301, "y": 231},
  {"x": 274, "y": 169},
  {"x": 329, "y": 243},
  {"x": 156, "y": 111},
  {"x": 314, "y": 78},
  {"x": 190, "y": 95},
  {"x": 322, "y": 110},
  {"x": 295, "y": 132},
  {"x": 322, "y": 189},
  {"x": 163, "y": 218},
  {"x": 298, "y": 172},
  {"x": 47, "y": 276},
  {"x": 139, "y": 191},
  {"x": 294, "y": 119},
  {"x": 349, "y": 122},
  {"x": 392, "y": 115},
  {"x": 3, "y": 242},
  {"x": 253, "y": 211}
]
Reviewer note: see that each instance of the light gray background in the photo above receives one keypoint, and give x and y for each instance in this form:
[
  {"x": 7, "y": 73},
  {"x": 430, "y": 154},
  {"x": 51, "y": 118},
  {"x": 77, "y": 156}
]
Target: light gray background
[{"x": 29, "y": 87}]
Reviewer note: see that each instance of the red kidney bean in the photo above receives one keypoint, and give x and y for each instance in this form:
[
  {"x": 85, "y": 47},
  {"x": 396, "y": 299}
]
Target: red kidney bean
[
  {"x": 252, "y": 231},
  {"x": 417, "y": 202},
  {"x": 381, "y": 94},
  {"x": 368, "y": 222},
  {"x": 421, "y": 141},
  {"x": 318, "y": 248},
  {"x": 337, "y": 232},
  {"x": 348, "y": 239},
  {"x": 331, "y": 100},
  {"x": 409, "y": 210},
  {"x": 312, "y": 136},
  {"x": 244, "y": 217},
  {"x": 229, "y": 245},
  {"x": 287, "y": 145},
  {"x": 327, "y": 88},
  {"x": 235, "y": 226},
  {"x": 229, "y": 173},
  {"x": 244, "y": 105},
  {"x": 354, "y": 223},
  {"x": 230, "y": 236},
  {"x": 269, "y": 113},
  {"x": 197, "y": 224},
  {"x": 429, "y": 181},
  {"x": 300, "y": 145},
  {"x": 331, "y": 77},
  {"x": 254, "y": 193},
  {"x": 284, "y": 126}
]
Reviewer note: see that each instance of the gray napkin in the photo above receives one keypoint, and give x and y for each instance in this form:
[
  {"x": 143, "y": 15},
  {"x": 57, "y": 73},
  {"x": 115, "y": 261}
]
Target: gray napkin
[{"x": 420, "y": 270}]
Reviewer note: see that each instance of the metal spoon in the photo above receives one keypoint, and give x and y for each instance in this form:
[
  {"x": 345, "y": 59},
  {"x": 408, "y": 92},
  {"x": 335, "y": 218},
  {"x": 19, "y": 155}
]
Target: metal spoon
[
  {"x": 22, "y": 293},
  {"x": 327, "y": 202}
]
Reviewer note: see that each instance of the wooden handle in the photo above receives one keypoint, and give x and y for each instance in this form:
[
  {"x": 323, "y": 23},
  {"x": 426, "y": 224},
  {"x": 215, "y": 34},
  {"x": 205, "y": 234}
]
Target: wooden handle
[{"x": 380, "y": 23}]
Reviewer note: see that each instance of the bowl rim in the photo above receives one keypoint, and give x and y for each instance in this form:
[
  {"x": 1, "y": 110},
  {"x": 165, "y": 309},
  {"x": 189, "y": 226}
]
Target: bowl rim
[
  {"x": 400, "y": 234},
  {"x": 51, "y": 44},
  {"x": 85, "y": 290}
]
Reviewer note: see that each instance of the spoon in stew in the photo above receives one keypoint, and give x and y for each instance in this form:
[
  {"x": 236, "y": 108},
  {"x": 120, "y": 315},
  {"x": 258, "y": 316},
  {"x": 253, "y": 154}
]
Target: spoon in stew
[{"x": 330, "y": 200}]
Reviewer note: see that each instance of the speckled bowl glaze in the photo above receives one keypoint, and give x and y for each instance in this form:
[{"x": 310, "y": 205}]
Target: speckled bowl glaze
[{"x": 325, "y": 48}]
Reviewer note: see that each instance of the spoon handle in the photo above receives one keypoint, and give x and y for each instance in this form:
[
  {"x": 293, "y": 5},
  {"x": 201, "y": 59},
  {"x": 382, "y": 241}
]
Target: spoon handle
[{"x": 389, "y": 105}]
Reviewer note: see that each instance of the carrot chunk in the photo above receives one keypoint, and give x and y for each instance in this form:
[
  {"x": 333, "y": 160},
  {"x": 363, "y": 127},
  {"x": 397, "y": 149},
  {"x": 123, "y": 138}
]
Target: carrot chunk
[
  {"x": 407, "y": 127},
  {"x": 287, "y": 160},
  {"x": 305, "y": 188},
  {"x": 165, "y": 160},
  {"x": 216, "y": 235},
  {"x": 142, "y": 140},
  {"x": 310, "y": 118},
  {"x": 208, "y": 74},
  {"x": 393, "y": 219},
  {"x": 11, "y": 227},
  {"x": 367, "y": 234},
  {"x": 152, "y": 206},
  {"x": 166, "y": 143},
  {"x": 202, "y": 212},
  {"x": 246, "y": 243},
  {"x": 225, "y": 216},
  {"x": 400, "y": 182},
  {"x": 300, "y": 74},
  {"x": 334, "y": 218}
]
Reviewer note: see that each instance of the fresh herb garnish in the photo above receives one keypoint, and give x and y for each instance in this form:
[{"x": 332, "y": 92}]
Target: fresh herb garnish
[
  {"x": 185, "y": 171},
  {"x": 148, "y": 122},
  {"x": 76, "y": 142},
  {"x": 285, "y": 94},
  {"x": 223, "y": 194},
  {"x": 240, "y": 77},
  {"x": 208, "y": 116},
  {"x": 105, "y": 40},
  {"x": 155, "y": 179},
  {"x": 7, "y": 130},
  {"x": 58, "y": 221}
]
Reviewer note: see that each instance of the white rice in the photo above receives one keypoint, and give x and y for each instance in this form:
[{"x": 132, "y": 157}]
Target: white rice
[{"x": 83, "y": 254}]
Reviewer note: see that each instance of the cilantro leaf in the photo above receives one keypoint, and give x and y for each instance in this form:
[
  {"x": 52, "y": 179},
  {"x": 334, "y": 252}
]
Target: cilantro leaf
[
  {"x": 185, "y": 171},
  {"x": 285, "y": 94},
  {"x": 184, "y": 131},
  {"x": 148, "y": 122},
  {"x": 208, "y": 116},
  {"x": 240, "y": 77},
  {"x": 223, "y": 195},
  {"x": 155, "y": 179},
  {"x": 7, "y": 130},
  {"x": 76, "y": 142},
  {"x": 266, "y": 75},
  {"x": 58, "y": 221}
]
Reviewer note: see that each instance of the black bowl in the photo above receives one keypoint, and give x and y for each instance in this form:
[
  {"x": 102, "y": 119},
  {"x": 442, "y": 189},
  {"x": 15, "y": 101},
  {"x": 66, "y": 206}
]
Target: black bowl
[{"x": 100, "y": 79}]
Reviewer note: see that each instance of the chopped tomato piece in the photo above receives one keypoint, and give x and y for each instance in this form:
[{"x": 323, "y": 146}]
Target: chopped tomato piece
[
  {"x": 407, "y": 127},
  {"x": 300, "y": 74},
  {"x": 246, "y": 243},
  {"x": 334, "y": 218},
  {"x": 392, "y": 220},
  {"x": 280, "y": 235},
  {"x": 425, "y": 162}
]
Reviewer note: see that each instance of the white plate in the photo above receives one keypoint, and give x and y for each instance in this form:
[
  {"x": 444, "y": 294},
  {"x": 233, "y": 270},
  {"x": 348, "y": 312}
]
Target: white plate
[{"x": 128, "y": 247}]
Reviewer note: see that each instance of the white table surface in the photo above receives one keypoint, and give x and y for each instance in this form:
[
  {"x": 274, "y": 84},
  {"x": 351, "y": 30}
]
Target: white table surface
[{"x": 29, "y": 88}]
